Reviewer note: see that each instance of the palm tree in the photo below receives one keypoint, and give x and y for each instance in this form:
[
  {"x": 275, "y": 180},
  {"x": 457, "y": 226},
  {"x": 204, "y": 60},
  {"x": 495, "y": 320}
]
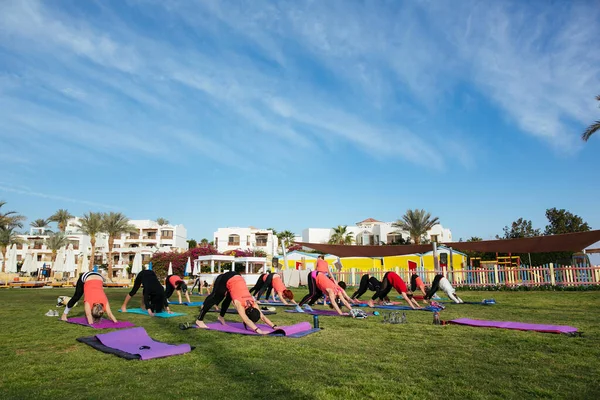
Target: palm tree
[
  {"x": 55, "y": 242},
  {"x": 115, "y": 224},
  {"x": 341, "y": 235},
  {"x": 41, "y": 223},
  {"x": 8, "y": 237},
  {"x": 10, "y": 219},
  {"x": 286, "y": 237},
  {"x": 416, "y": 223},
  {"x": 162, "y": 221},
  {"x": 592, "y": 128},
  {"x": 61, "y": 217},
  {"x": 91, "y": 225},
  {"x": 204, "y": 242}
]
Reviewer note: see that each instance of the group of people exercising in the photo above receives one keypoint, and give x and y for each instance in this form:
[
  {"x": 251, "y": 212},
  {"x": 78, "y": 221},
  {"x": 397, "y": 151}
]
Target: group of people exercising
[{"x": 231, "y": 287}]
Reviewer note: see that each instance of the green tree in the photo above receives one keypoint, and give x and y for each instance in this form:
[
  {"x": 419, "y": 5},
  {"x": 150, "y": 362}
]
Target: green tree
[
  {"x": 562, "y": 221},
  {"x": 205, "y": 243},
  {"x": 593, "y": 128},
  {"x": 286, "y": 237},
  {"x": 41, "y": 223},
  {"x": 55, "y": 242},
  {"x": 115, "y": 224},
  {"x": 162, "y": 221},
  {"x": 417, "y": 223},
  {"x": 91, "y": 225},
  {"x": 192, "y": 243},
  {"x": 10, "y": 219},
  {"x": 8, "y": 237},
  {"x": 521, "y": 228},
  {"x": 61, "y": 217},
  {"x": 341, "y": 235}
]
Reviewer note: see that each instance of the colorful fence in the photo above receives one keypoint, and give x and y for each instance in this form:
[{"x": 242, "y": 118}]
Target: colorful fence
[{"x": 524, "y": 275}]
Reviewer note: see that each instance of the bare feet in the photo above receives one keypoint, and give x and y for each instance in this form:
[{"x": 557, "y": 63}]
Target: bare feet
[
  {"x": 201, "y": 324},
  {"x": 371, "y": 304},
  {"x": 221, "y": 320},
  {"x": 63, "y": 317}
]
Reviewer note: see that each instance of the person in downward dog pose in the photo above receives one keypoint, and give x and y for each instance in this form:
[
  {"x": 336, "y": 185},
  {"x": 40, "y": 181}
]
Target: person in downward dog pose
[
  {"x": 175, "y": 283},
  {"x": 314, "y": 293},
  {"x": 90, "y": 286},
  {"x": 367, "y": 282},
  {"x": 273, "y": 282},
  {"x": 228, "y": 288},
  {"x": 154, "y": 299},
  {"x": 334, "y": 292},
  {"x": 390, "y": 281},
  {"x": 441, "y": 282}
]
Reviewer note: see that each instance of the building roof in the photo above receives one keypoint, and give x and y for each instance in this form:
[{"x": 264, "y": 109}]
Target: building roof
[{"x": 368, "y": 220}]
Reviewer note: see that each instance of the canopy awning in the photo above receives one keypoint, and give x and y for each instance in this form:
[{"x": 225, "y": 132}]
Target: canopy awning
[{"x": 538, "y": 244}]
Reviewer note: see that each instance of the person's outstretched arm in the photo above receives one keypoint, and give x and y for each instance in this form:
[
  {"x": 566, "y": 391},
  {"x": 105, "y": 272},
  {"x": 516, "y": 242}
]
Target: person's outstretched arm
[
  {"x": 409, "y": 301},
  {"x": 266, "y": 320},
  {"x": 179, "y": 295},
  {"x": 331, "y": 295},
  {"x": 247, "y": 321},
  {"x": 187, "y": 296},
  {"x": 109, "y": 313},
  {"x": 88, "y": 313}
]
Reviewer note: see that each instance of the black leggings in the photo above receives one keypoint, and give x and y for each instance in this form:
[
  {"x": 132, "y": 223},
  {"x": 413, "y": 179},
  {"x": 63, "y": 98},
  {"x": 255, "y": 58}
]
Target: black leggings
[
  {"x": 266, "y": 287},
  {"x": 79, "y": 288},
  {"x": 258, "y": 285},
  {"x": 219, "y": 294},
  {"x": 384, "y": 289},
  {"x": 314, "y": 293},
  {"x": 366, "y": 283},
  {"x": 435, "y": 285},
  {"x": 413, "y": 282}
]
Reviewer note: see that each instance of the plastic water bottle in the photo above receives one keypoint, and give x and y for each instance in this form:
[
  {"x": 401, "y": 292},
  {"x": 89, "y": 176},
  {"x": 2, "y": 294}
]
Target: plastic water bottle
[
  {"x": 436, "y": 318},
  {"x": 316, "y": 321}
]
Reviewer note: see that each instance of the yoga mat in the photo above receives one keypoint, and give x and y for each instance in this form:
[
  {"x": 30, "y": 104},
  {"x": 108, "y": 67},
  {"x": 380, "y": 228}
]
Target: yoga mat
[
  {"x": 292, "y": 331},
  {"x": 515, "y": 325},
  {"x": 233, "y": 311},
  {"x": 163, "y": 314},
  {"x": 276, "y": 304},
  {"x": 480, "y": 303},
  {"x": 326, "y": 313},
  {"x": 190, "y": 304},
  {"x": 136, "y": 341},
  {"x": 408, "y": 308},
  {"x": 103, "y": 324}
]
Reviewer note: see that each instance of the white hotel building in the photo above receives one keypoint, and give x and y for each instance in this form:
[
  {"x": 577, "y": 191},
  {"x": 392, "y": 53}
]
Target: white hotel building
[
  {"x": 148, "y": 239},
  {"x": 227, "y": 239}
]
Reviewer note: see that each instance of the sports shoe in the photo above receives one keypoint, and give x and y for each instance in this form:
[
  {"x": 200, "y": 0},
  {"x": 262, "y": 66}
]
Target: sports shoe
[
  {"x": 298, "y": 309},
  {"x": 50, "y": 313},
  {"x": 307, "y": 307}
]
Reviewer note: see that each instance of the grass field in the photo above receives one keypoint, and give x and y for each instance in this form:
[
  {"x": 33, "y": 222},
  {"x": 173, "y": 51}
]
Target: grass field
[{"x": 349, "y": 359}]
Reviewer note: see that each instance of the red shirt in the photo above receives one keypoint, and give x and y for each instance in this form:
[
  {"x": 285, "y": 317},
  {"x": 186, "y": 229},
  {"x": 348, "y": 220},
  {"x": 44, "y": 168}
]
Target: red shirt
[
  {"x": 93, "y": 293},
  {"x": 238, "y": 290},
  {"x": 174, "y": 279},
  {"x": 322, "y": 266},
  {"x": 397, "y": 282}
]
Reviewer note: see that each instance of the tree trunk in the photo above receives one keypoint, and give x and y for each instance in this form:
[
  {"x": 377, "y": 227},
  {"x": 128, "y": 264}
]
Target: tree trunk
[
  {"x": 3, "y": 259},
  {"x": 93, "y": 256},
  {"x": 53, "y": 259},
  {"x": 62, "y": 226},
  {"x": 111, "y": 242}
]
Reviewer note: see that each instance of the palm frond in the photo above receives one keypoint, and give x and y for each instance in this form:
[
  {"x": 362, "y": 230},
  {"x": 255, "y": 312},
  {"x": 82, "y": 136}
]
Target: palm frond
[{"x": 590, "y": 130}]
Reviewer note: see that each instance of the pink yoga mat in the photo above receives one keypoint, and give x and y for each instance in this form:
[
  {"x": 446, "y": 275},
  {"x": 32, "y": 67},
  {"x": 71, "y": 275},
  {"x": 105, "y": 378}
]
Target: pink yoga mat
[
  {"x": 103, "y": 324},
  {"x": 515, "y": 325},
  {"x": 137, "y": 341}
]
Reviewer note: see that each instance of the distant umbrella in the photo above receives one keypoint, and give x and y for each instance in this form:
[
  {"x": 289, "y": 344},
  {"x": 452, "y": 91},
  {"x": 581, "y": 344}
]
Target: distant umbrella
[
  {"x": 170, "y": 272},
  {"x": 188, "y": 267}
]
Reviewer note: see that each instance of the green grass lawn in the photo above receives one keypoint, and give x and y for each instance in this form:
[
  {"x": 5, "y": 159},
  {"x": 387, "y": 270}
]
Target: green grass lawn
[{"x": 349, "y": 359}]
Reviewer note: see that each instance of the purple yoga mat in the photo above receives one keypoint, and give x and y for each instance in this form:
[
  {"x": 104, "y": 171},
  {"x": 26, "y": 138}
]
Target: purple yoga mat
[
  {"x": 327, "y": 313},
  {"x": 514, "y": 325},
  {"x": 137, "y": 341},
  {"x": 238, "y": 327},
  {"x": 103, "y": 324}
]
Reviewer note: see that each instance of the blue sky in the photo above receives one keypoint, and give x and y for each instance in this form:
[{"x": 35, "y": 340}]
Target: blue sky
[{"x": 301, "y": 113}]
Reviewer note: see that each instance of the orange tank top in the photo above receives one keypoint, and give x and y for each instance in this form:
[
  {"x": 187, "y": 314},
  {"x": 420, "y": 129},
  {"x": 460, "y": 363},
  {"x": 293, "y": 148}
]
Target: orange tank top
[
  {"x": 238, "y": 290},
  {"x": 324, "y": 283},
  {"x": 278, "y": 284},
  {"x": 93, "y": 293},
  {"x": 420, "y": 284},
  {"x": 322, "y": 266},
  {"x": 174, "y": 279}
]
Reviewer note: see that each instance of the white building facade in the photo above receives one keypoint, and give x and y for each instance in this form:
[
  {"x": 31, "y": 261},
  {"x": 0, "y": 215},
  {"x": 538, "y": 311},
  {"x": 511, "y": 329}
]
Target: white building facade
[
  {"x": 235, "y": 238},
  {"x": 374, "y": 232},
  {"x": 148, "y": 239}
]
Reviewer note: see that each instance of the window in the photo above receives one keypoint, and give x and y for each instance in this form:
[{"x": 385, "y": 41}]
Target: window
[
  {"x": 166, "y": 234},
  {"x": 261, "y": 240},
  {"x": 234, "y": 240},
  {"x": 434, "y": 238},
  {"x": 394, "y": 238}
]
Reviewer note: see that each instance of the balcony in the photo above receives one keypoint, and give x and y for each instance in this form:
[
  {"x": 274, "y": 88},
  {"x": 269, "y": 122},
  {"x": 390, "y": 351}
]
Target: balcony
[
  {"x": 261, "y": 244},
  {"x": 233, "y": 243}
]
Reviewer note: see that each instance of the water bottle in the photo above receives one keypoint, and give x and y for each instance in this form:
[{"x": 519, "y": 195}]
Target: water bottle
[
  {"x": 403, "y": 318},
  {"x": 436, "y": 318},
  {"x": 316, "y": 321}
]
